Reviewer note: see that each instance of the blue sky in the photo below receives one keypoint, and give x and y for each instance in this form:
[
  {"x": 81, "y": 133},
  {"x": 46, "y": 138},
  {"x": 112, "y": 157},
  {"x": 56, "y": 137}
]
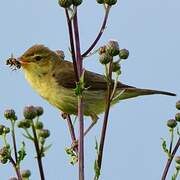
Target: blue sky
[{"x": 150, "y": 30}]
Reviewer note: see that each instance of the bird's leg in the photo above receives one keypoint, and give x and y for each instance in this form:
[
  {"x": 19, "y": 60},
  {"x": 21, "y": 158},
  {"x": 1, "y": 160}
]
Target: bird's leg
[{"x": 94, "y": 118}]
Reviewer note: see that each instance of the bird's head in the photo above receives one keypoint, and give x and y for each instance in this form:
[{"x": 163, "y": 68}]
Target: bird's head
[{"x": 38, "y": 59}]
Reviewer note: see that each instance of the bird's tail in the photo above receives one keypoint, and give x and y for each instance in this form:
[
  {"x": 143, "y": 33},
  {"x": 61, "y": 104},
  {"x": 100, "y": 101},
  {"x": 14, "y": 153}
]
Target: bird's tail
[{"x": 132, "y": 92}]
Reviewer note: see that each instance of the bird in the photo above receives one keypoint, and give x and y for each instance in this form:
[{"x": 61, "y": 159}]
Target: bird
[{"x": 54, "y": 80}]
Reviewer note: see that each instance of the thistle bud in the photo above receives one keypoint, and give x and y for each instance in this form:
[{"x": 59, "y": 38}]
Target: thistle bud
[
  {"x": 30, "y": 112},
  {"x": 100, "y": 1},
  {"x": 42, "y": 140},
  {"x": 110, "y": 2},
  {"x": 4, "y": 155},
  {"x": 76, "y": 2},
  {"x": 177, "y": 159},
  {"x": 1, "y": 129},
  {"x": 123, "y": 53},
  {"x": 26, "y": 173},
  {"x": 116, "y": 67},
  {"x": 178, "y": 105},
  {"x": 45, "y": 133},
  {"x": 105, "y": 58},
  {"x": 112, "y": 48},
  {"x": 171, "y": 123},
  {"x": 9, "y": 114},
  {"x": 38, "y": 125},
  {"x": 6, "y": 130},
  {"x": 177, "y": 117},
  {"x": 65, "y": 3},
  {"x": 102, "y": 50},
  {"x": 39, "y": 110},
  {"x": 25, "y": 123}
]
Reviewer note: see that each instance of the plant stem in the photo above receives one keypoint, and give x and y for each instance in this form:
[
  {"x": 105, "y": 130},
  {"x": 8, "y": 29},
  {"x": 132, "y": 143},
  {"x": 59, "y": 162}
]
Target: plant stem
[
  {"x": 14, "y": 140},
  {"x": 172, "y": 138},
  {"x": 100, "y": 32},
  {"x": 80, "y": 99},
  {"x": 38, "y": 152},
  {"x": 16, "y": 167},
  {"x": 166, "y": 169},
  {"x": 71, "y": 130},
  {"x": 107, "y": 108},
  {"x": 71, "y": 39}
]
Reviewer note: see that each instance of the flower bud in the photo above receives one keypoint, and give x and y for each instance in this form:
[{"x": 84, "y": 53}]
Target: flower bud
[
  {"x": 76, "y": 2},
  {"x": 26, "y": 173},
  {"x": 6, "y": 130},
  {"x": 123, "y": 53},
  {"x": 171, "y": 123},
  {"x": 178, "y": 105},
  {"x": 4, "y": 155},
  {"x": 38, "y": 125},
  {"x": 42, "y": 140},
  {"x": 45, "y": 133},
  {"x": 177, "y": 159},
  {"x": 39, "y": 110},
  {"x": 1, "y": 129},
  {"x": 116, "y": 67},
  {"x": 110, "y": 2},
  {"x": 30, "y": 112},
  {"x": 105, "y": 58},
  {"x": 65, "y": 3},
  {"x": 177, "y": 167},
  {"x": 9, "y": 114},
  {"x": 100, "y": 1},
  {"x": 25, "y": 123},
  {"x": 102, "y": 50},
  {"x": 112, "y": 48},
  {"x": 177, "y": 117}
]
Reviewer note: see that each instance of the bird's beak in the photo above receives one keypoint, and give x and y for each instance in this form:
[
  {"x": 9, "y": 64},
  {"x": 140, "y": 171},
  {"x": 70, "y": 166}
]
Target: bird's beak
[{"x": 23, "y": 61}]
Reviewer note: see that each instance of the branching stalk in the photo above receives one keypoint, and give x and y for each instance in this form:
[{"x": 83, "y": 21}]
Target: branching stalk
[
  {"x": 80, "y": 99},
  {"x": 16, "y": 167},
  {"x": 107, "y": 108},
  {"x": 38, "y": 153},
  {"x": 71, "y": 39},
  {"x": 71, "y": 130},
  {"x": 166, "y": 169},
  {"x": 107, "y": 10}
]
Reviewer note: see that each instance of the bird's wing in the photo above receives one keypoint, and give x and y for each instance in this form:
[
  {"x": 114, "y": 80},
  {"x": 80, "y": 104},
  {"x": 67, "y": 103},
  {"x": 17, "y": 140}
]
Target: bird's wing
[{"x": 93, "y": 81}]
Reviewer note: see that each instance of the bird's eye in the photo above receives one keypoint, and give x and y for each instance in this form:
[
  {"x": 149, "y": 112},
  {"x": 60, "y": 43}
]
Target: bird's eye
[{"x": 37, "y": 58}]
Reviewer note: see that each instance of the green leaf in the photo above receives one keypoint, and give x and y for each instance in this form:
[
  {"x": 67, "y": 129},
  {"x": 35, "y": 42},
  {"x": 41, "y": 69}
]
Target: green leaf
[
  {"x": 46, "y": 148},
  {"x": 21, "y": 152},
  {"x": 178, "y": 132},
  {"x": 164, "y": 146}
]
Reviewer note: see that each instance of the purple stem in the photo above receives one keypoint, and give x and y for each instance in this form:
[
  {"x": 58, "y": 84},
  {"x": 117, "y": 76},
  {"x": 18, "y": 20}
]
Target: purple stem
[
  {"x": 71, "y": 130},
  {"x": 166, "y": 169},
  {"x": 16, "y": 167},
  {"x": 71, "y": 39},
  {"x": 99, "y": 34},
  {"x": 38, "y": 153},
  {"x": 80, "y": 99},
  {"x": 104, "y": 128}
]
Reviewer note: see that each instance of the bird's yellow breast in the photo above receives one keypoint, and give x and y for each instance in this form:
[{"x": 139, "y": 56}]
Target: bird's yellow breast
[{"x": 65, "y": 98}]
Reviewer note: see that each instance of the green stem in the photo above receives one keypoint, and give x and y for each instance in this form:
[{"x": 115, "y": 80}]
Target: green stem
[{"x": 172, "y": 139}]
